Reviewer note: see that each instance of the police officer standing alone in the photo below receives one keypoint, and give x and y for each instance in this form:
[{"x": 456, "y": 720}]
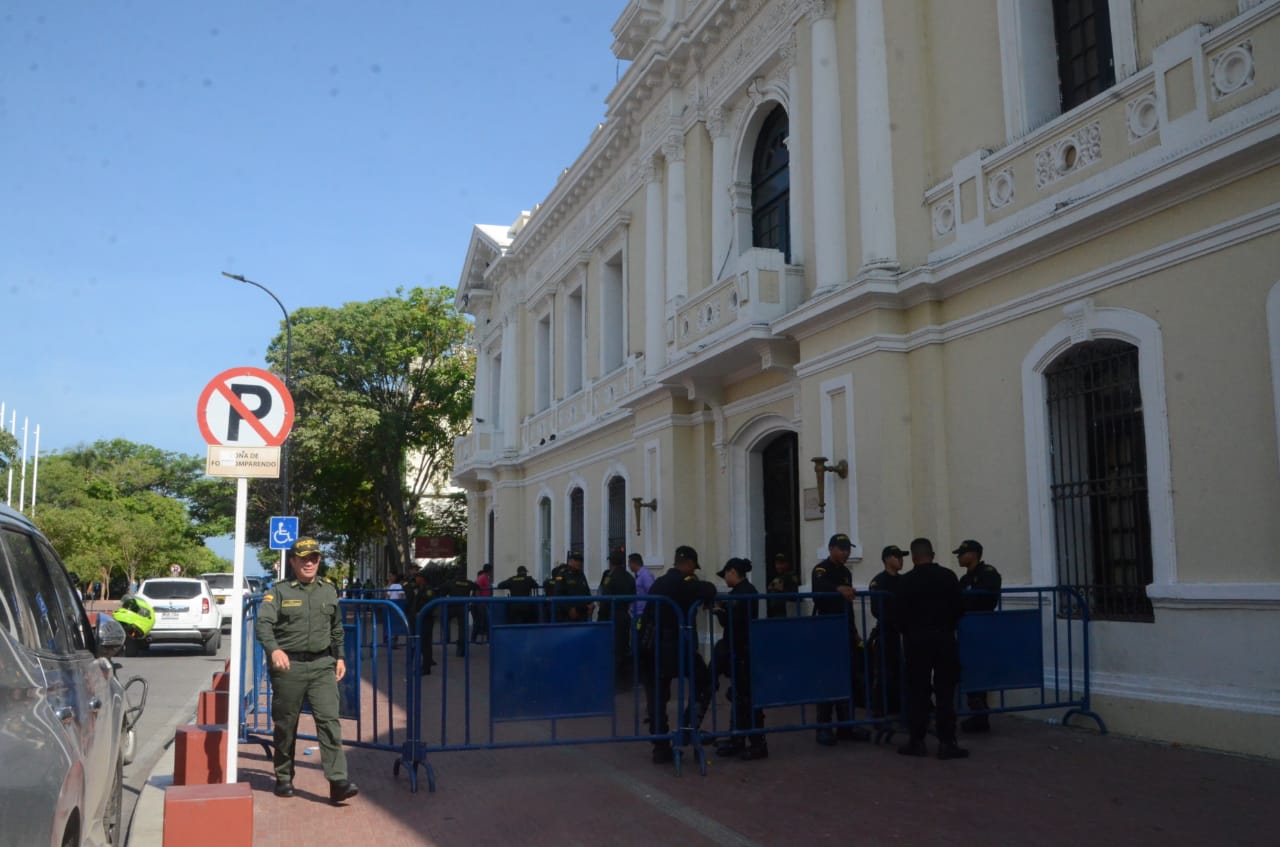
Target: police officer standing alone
[
  {"x": 981, "y": 588},
  {"x": 784, "y": 581},
  {"x": 300, "y": 628},
  {"x": 929, "y": 598}
]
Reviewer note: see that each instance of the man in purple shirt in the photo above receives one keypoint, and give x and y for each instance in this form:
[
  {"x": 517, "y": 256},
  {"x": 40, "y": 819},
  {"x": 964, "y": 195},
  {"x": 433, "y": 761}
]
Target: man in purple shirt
[{"x": 644, "y": 579}]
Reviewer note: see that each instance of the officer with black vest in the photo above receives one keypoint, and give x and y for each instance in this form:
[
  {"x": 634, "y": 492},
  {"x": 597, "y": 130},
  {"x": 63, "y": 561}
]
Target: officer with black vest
[
  {"x": 520, "y": 585},
  {"x": 660, "y": 659},
  {"x": 832, "y": 576},
  {"x": 980, "y": 585},
  {"x": 733, "y": 659},
  {"x": 571, "y": 582}
]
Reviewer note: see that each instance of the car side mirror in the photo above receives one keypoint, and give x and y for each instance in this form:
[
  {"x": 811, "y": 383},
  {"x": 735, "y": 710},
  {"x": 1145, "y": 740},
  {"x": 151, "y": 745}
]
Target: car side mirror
[{"x": 109, "y": 636}]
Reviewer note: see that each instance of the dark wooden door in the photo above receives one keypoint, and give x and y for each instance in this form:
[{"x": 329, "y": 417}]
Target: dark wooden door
[{"x": 781, "y": 479}]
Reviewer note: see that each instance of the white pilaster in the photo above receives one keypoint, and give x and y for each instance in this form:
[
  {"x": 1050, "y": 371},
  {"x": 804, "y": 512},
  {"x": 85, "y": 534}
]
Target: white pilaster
[
  {"x": 795, "y": 152},
  {"x": 655, "y": 343},
  {"x": 829, "y": 227},
  {"x": 721, "y": 180},
  {"x": 677, "y": 220},
  {"x": 510, "y": 383},
  {"x": 875, "y": 142}
]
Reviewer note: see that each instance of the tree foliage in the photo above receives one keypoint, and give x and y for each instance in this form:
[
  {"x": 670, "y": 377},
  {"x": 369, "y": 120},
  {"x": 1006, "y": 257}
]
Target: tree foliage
[
  {"x": 125, "y": 510},
  {"x": 380, "y": 390}
]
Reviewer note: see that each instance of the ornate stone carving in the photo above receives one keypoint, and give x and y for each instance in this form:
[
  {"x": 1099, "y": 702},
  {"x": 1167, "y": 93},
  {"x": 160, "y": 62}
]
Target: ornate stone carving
[
  {"x": 1141, "y": 116},
  {"x": 1000, "y": 188},
  {"x": 673, "y": 147},
  {"x": 1068, "y": 155},
  {"x": 1232, "y": 69},
  {"x": 647, "y": 169},
  {"x": 944, "y": 217},
  {"x": 717, "y": 121},
  {"x": 816, "y": 10}
]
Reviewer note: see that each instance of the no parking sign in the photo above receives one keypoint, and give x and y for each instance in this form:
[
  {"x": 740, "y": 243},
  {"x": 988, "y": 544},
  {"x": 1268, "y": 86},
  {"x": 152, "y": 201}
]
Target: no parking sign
[{"x": 245, "y": 414}]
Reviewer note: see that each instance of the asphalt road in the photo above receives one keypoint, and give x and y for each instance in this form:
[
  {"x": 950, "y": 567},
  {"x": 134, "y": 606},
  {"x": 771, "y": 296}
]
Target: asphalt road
[{"x": 176, "y": 675}]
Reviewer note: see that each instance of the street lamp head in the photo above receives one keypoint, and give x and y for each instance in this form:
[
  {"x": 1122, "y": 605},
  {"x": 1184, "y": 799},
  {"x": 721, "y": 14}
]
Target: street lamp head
[{"x": 236, "y": 277}]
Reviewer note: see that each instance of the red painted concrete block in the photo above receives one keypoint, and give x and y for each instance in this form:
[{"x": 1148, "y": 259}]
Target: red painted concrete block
[
  {"x": 208, "y": 815},
  {"x": 212, "y": 707},
  {"x": 221, "y": 681},
  {"x": 199, "y": 755}
]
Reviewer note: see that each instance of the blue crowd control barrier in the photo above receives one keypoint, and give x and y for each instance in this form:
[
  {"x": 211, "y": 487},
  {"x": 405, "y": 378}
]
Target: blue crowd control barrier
[
  {"x": 794, "y": 664},
  {"x": 547, "y": 683},
  {"x": 377, "y": 695},
  {"x": 1041, "y": 651}
]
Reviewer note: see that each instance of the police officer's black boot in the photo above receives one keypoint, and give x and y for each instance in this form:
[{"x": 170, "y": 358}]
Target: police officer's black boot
[
  {"x": 342, "y": 790},
  {"x": 756, "y": 749},
  {"x": 730, "y": 747}
]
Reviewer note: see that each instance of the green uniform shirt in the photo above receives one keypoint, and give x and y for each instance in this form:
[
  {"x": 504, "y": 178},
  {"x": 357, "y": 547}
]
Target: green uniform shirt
[{"x": 298, "y": 617}]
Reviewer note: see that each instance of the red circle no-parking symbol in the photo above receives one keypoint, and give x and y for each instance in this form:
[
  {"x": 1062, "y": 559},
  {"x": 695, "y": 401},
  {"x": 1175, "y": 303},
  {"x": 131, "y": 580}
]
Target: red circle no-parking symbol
[{"x": 245, "y": 407}]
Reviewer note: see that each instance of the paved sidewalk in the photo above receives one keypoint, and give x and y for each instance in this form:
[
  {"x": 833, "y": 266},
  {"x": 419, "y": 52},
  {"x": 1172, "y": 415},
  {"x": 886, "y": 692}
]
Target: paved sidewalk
[{"x": 1027, "y": 783}]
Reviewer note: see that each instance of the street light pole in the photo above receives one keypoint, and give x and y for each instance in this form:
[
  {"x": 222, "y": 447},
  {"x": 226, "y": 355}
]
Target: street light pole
[{"x": 288, "y": 375}]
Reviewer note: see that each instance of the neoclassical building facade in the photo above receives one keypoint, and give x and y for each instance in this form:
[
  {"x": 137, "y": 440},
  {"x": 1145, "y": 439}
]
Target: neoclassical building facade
[{"x": 1004, "y": 269}]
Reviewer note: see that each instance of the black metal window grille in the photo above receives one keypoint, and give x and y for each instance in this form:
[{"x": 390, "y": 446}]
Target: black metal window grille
[
  {"x": 492, "y": 535},
  {"x": 576, "y": 519},
  {"x": 544, "y": 550},
  {"x": 771, "y": 186},
  {"x": 1098, "y": 485},
  {"x": 1086, "y": 65},
  {"x": 617, "y": 513}
]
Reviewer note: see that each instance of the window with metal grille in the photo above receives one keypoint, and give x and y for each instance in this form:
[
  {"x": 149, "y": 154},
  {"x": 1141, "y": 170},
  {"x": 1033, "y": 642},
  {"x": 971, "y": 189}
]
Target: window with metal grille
[
  {"x": 617, "y": 513},
  {"x": 771, "y": 186},
  {"x": 1098, "y": 484},
  {"x": 1082, "y": 33},
  {"x": 576, "y": 519},
  {"x": 544, "y": 543}
]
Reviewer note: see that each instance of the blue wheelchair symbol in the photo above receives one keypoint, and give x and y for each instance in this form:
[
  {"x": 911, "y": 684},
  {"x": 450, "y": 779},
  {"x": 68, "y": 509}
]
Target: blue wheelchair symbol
[{"x": 282, "y": 532}]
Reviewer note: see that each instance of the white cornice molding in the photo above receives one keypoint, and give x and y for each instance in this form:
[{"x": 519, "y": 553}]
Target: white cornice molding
[
  {"x": 1215, "y": 595},
  {"x": 1261, "y": 222}
]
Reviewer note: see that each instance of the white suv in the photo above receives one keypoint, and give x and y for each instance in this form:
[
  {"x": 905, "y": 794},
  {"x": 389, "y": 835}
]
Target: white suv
[
  {"x": 221, "y": 585},
  {"x": 186, "y": 613}
]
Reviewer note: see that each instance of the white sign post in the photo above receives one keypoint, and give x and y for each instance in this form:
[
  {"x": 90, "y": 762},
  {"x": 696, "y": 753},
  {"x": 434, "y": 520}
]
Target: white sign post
[{"x": 245, "y": 414}]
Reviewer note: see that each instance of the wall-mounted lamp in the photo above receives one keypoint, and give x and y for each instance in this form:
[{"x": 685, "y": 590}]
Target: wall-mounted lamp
[
  {"x": 820, "y": 470},
  {"x": 639, "y": 503}
]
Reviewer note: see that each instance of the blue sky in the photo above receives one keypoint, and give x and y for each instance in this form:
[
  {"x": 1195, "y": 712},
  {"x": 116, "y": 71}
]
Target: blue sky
[{"x": 332, "y": 151}]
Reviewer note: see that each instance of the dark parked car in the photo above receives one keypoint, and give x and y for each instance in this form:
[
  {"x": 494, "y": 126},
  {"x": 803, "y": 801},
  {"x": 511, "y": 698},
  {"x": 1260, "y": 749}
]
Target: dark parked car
[{"x": 65, "y": 724}]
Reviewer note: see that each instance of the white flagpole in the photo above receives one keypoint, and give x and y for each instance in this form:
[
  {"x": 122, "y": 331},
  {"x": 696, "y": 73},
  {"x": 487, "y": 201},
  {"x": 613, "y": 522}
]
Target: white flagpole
[
  {"x": 13, "y": 430},
  {"x": 35, "y": 472},
  {"x": 22, "y": 482}
]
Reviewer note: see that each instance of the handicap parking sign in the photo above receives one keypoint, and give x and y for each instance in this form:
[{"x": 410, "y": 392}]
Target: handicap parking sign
[{"x": 282, "y": 532}]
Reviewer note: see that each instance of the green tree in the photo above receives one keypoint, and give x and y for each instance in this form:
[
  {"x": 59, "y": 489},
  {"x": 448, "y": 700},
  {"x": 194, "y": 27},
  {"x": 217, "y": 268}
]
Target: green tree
[
  {"x": 380, "y": 390},
  {"x": 8, "y": 450},
  {"x": 125, "y": 510}
]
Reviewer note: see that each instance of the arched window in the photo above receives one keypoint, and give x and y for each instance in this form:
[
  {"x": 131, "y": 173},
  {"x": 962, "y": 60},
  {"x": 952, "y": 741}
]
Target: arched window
[
  {"x": 577, "y": 519},
  {"x": 771, "y": 185},
  {"x": 617, "y": 513},
  {"x": 1098, "y": 477},
  {"x": 544, "y": 539}
]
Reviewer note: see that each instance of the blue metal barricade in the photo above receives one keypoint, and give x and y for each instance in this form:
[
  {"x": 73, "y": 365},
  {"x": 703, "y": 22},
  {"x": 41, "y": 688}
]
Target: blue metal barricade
[
  {"x": 376, "y": 697},
  {"x": 795, "y": 667},
  {"x": 1036, "y": 644},
  {"x": 563, "y": 682}
]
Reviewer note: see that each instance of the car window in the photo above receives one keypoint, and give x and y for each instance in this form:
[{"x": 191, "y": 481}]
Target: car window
[
  {"x": 172, "y": 589},
  {"x": 14, "y": 615},
  {"x": 219, "y": 580},
  {"x": 68, "y": 596},
  {"x": 36, "y": 591}
]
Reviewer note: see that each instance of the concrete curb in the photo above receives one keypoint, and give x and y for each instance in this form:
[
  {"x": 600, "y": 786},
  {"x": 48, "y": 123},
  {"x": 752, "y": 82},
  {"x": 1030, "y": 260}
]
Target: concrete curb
[{"x": 147, "y": 827}]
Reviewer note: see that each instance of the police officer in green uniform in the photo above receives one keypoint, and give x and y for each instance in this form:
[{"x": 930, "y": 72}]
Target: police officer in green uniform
[
  {"x": 571, "y": 582},
  {"x": 784, "y": 581},
  {"x": 520, "y": 585},
  {"x": 832, "y": 577},
  {"x": 300, "y": 628},
  {"x": 460, "y": 586}
]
